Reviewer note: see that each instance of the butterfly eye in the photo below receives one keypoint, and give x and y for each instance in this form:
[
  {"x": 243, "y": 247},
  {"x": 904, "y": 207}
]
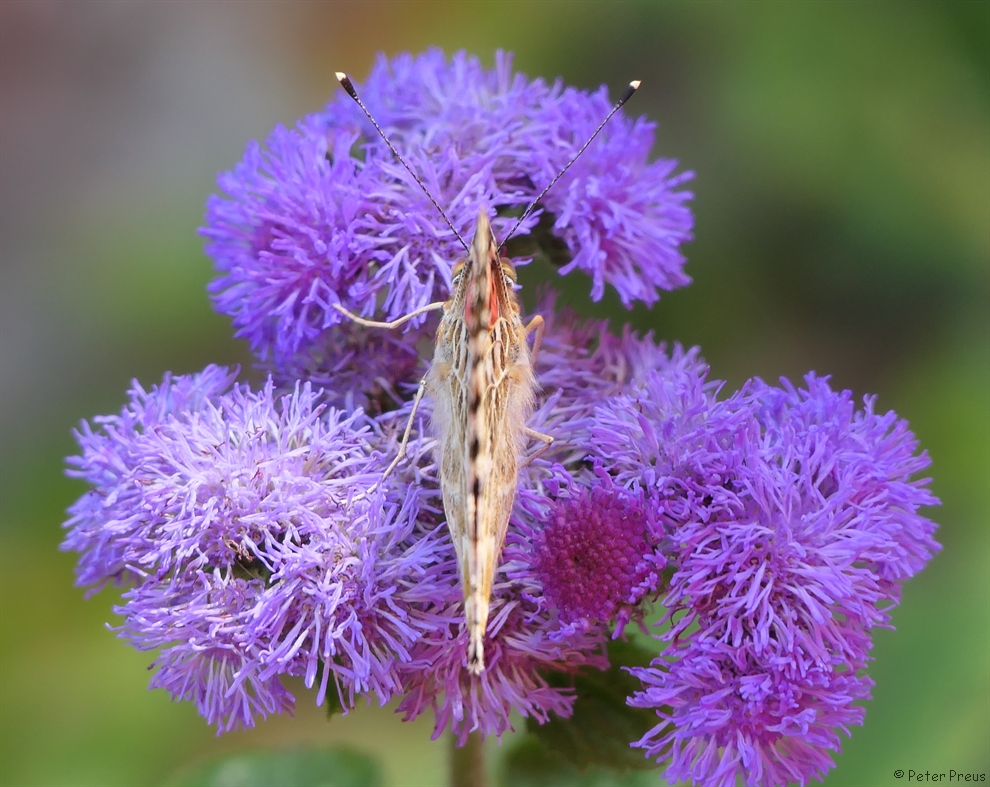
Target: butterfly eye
[
  {"x": 508, "y": 271},
  {"x": 457, "y": 269}
]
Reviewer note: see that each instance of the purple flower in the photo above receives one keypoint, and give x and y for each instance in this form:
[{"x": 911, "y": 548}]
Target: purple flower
[
  {"x": 200, "y": 624},
  {"x": 794, "y": 517},
  {"x": 108, "y": 525},
  {"x": 622, "y": 218},
  {"x": 324, "y": 215},
  {"x": 596, "y": 553},
  {"x": 261, "y": 543}
]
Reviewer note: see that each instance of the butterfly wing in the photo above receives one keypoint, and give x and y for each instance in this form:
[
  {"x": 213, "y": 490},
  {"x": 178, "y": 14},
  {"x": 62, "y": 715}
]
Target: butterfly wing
[{"x": 482, "y": 385}]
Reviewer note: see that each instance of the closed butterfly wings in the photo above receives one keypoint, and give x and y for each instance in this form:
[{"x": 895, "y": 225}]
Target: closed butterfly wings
[{"x": 482, "y": 385}]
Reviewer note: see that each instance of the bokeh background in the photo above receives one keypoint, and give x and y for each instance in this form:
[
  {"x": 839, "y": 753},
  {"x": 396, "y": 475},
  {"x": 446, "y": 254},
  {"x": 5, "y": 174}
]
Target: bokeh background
[{"x": 842, "y": 153}]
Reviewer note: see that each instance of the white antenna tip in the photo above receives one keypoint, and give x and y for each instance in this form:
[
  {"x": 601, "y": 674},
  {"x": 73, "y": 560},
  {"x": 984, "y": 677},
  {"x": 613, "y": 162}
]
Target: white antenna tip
[
  {"x": 633, "y": 87},
  {"x": 345, "y": 82}
]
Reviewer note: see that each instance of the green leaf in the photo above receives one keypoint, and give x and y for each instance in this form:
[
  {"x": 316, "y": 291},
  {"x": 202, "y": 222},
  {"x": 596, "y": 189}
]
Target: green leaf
[
  {"x": 530, "y": 764},
  {"x": 336, "y": 767},
  {"x": 332, "y": 701},
  {"x": 603, "y": 725}
]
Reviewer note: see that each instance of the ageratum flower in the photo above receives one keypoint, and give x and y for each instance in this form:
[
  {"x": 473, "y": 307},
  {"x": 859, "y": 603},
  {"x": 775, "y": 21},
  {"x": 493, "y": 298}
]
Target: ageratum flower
[
  {"x": 324, "y": 215},
  {"x": 596, "y": 554},
  {"x": 260, "y": 541},
  {"x": 794, "y": 517}
]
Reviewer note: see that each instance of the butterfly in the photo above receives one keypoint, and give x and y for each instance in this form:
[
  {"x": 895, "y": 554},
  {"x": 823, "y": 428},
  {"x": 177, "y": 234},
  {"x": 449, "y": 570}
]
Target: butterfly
[
  {"x": 482, "y": 384},
  {"x": 483, "y": 387}
]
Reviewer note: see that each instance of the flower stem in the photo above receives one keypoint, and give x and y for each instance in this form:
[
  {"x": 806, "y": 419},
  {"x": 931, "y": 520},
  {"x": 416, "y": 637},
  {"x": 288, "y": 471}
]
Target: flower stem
[{"x": 467, "y": 762}]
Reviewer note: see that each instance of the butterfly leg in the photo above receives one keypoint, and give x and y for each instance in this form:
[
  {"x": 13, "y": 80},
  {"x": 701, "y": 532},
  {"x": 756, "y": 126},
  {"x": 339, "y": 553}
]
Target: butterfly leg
[
  {"x": 430, "y": 307},
  {"x": 537, "y": 325},
  {"x": 400, "y": 454},
  {"x": 547, "y": 442},
  {"x": 405, "y": 435}
]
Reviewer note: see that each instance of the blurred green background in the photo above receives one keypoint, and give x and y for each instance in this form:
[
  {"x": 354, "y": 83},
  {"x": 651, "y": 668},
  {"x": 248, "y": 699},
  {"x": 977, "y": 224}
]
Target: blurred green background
[{"x": 842, "y": 153}]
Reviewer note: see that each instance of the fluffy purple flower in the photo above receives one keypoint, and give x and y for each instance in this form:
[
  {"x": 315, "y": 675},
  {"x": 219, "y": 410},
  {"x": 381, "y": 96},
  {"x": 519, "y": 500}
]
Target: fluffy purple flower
[
  {"x": 794, "y": 517},
  {"x": 324, "y": 215},
  {"x": 200, "y": 623},
  {"x": 261, "y": 543},
  {"x": 108, "y": 525},
  {"x": 622, "y": 218},
  {"x": 596, "y": 554}
]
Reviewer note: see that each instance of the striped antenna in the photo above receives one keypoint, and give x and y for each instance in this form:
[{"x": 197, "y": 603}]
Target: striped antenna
[
  {"x": 345, "y": 82},
  {"x": 632, "y": 88}
]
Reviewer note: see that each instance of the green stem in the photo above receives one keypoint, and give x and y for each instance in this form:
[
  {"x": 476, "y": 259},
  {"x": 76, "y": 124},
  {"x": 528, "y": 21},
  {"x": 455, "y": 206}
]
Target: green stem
[{"x": 467, "y": 762}]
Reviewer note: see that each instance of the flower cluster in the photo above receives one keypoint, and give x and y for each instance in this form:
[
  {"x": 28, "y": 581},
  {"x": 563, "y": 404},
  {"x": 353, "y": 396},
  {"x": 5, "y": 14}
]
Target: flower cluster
[
  {"x": 260, "y": 533},
  {"x": 324, "y": 215},
  {"x": 793, "y": 518},
  {"x": 250, "y": 525}
]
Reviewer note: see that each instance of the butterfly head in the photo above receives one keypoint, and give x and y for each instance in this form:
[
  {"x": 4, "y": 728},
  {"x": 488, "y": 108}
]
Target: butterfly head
[{"x": 487, "y": 278}]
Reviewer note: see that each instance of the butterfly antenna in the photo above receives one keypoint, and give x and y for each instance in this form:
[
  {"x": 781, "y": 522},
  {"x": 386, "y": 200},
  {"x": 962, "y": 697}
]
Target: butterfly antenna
[
  {"x": 345, "y": 82},
  {"x": 632, "y": 88}
]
